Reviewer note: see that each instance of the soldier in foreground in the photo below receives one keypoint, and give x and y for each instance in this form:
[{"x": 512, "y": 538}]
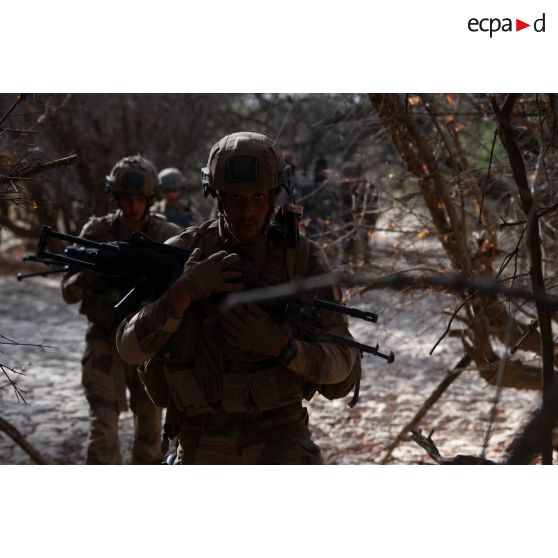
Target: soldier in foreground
[
  {"x": 132, "y": 182},
  {"x": 176, "y": 205},
  {"x": 234, "y": 383}
]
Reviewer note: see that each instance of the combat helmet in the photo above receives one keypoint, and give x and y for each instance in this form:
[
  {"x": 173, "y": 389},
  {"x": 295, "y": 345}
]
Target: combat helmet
[
  {"x": 244, "y": 162},
  {"x": 172, "y": 179},
  {"x": 134, "y": 176}
]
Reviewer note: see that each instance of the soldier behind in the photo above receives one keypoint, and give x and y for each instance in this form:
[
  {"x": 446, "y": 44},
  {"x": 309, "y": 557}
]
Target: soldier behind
[
  {"x": 234, "y": 384},
  {"x": 176, "y": 205},
  {"x": 358, "y": 212},
  {"x": 132, "y": 182}
]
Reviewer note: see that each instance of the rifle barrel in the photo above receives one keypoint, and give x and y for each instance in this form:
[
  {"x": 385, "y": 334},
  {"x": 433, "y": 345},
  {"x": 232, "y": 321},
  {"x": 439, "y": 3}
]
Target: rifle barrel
[
  {"x": 81, "y": 264},
  {"x": 347, "y": 342},
  {"x": 347, "y": 310}
]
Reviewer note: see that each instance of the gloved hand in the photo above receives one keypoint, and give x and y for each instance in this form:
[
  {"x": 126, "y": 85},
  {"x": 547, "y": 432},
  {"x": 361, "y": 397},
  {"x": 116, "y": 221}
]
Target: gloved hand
[
  {"x": 85, "y": 277},
  {"x": 201, "y": 279},
  {"x": 249, "y": 328}
]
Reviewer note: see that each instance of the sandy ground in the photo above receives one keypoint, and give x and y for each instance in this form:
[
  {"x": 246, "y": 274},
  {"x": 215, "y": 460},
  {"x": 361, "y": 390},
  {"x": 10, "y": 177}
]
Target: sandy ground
[{"x": 55, "y": 417}]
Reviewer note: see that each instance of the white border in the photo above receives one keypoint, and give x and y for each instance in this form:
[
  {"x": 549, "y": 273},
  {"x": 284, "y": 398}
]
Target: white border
[
  {"x": 279, "y": 46},
  {"x": 273, "y": 46}
]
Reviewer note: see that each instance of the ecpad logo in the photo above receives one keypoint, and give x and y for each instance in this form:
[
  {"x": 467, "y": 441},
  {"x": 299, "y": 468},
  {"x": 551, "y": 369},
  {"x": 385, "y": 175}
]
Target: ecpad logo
[{"x": 494, "y": 24}]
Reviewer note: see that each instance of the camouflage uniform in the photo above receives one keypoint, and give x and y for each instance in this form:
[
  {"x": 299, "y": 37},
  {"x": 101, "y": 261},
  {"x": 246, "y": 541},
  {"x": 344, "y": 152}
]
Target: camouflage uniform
[
  {"x": 243, "y": 409},
  {"x": 229, "y": 405},
  {"x": 180, "y": 212},
  {"x": 104, "y": 374}
]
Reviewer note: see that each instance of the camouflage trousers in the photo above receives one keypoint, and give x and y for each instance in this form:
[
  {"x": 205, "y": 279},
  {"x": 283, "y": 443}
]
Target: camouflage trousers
[
  {"x": 277, "y": 437},
  {"x": 105, "y": 377}
]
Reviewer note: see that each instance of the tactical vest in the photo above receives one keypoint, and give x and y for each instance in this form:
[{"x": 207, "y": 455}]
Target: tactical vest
[{"x": 198, "y": 376}]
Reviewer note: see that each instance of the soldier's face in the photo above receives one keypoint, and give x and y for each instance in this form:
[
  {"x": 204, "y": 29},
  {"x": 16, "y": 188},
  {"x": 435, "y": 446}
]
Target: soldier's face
[
  {"x": 133, "y": 207},
  {"x": 246, "y": 213},
  {"x": 172, "y": 195}
]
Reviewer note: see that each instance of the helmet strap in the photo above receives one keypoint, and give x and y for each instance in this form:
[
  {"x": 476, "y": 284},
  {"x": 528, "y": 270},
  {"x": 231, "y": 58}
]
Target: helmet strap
[
  {"x": 222, "y": 214},
  {"x": 223, "y": 221}
]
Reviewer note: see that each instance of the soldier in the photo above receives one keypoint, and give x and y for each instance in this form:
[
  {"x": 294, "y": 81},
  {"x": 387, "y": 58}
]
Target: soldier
[
  {"x": 358, "y": 212},
  {"x": 235, "y": 383},
  {"x": 317, "y": 200},
  {"x": 133, "y": 182},
  {"x": 176, "y": 205}
]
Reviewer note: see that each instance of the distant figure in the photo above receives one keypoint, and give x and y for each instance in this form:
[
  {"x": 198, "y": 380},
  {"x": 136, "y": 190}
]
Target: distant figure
[
  {"x": 176, "y": 205},
  {"x": 358, "y": 211},
  {"x": 316, "y": 199},
  {"x": 320, "y": 174}
]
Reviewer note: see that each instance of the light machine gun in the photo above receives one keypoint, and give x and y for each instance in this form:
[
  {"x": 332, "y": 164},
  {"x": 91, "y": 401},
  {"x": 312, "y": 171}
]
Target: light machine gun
[
  {"x": 72, "y": 251},
  {"x": 148, "y": 265},
  {"x": 151, "y": 267},
  {"x": 32, "y": 258}
]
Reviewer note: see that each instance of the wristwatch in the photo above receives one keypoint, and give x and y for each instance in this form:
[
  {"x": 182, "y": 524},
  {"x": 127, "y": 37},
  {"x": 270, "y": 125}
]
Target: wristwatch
[{"x": 288, "y": 353}]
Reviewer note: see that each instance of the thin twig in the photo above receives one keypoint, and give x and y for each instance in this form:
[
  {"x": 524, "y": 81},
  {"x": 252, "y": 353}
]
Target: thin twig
[
  {"x": 19, "y": 99},
  {"x": 41, "y": 167},
  {"x": 454, "y": 314},
  {"x": 499, "y": 381},
  {"x": 12, "y": 342},
  {"x": 17, "y": 390}
]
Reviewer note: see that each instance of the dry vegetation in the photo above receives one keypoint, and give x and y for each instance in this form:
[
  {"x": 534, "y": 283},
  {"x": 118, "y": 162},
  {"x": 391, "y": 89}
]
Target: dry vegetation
[{"x": 471, "y": 176}]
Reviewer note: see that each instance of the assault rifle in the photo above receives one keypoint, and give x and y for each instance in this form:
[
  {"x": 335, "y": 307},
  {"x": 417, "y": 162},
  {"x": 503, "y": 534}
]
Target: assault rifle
[
  {"x": 152, "y": 266},
  {"x": 301, "y": 309}
]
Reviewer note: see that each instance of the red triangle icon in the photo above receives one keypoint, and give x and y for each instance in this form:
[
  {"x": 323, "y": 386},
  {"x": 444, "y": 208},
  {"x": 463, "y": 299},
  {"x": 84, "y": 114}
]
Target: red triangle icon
[{"x": 519, "y": 25}]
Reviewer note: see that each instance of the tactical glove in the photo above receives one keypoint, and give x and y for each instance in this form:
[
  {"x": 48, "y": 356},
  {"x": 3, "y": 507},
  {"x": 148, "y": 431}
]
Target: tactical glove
[
  {"x": 211, "y": 275},
  {"x": 249, "y": 328}
]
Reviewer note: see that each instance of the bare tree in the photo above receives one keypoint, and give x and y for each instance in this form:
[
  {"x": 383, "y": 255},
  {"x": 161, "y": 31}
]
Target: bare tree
[{"x": 429, "y": 133}]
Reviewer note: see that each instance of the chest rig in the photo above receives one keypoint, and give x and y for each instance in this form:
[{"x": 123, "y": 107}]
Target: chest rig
[{"x": 203, "y": 372}]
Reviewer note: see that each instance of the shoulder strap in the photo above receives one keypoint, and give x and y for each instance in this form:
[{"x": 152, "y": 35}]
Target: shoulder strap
[
  {"x": 298, "y": 258},
  {"x": 197, "y": 234}
]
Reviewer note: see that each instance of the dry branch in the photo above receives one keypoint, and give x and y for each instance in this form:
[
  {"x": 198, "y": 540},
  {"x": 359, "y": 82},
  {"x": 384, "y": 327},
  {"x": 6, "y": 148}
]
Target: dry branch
[
  {"x": 507, "y": 136},
  {"x": 427, "y": 405},
  {"x": 426, "y": 443},
  {"x": 19, "y": 99},
  {"x": 39, "y": 168},
  {"x": 454, "y": 282},
  {"x": 20, "y": 440}
]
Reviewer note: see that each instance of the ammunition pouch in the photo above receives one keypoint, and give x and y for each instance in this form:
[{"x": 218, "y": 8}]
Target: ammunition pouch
[{"x": 242, "y": 392}]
